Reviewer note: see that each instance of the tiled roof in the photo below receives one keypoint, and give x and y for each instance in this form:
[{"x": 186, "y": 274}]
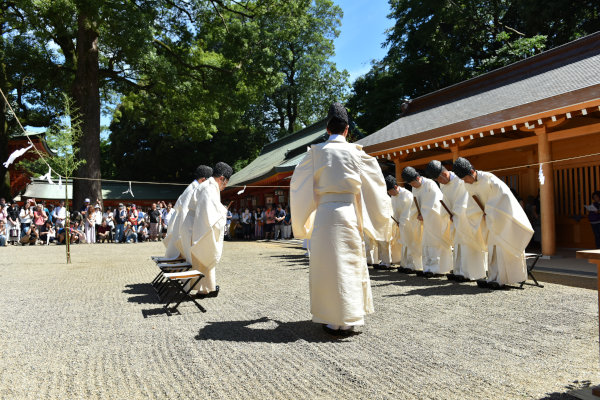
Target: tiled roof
[
  {"x": 281, "y": 155},
  {"x": 501, "y": 94}
]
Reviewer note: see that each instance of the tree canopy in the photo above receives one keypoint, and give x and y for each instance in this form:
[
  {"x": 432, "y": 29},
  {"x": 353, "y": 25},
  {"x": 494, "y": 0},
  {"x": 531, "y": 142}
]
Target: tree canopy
[{"x": 436, "y": 43}]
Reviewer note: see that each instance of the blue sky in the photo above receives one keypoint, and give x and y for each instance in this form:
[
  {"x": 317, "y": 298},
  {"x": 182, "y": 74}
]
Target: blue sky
[{"x": 361, "y": 35}]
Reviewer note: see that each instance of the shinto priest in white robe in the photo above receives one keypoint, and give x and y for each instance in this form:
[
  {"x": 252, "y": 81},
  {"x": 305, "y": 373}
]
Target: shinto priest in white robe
[
  {"x": 470, "y": 250},
  {"x": 437, "y": 243},
  {"x": 210, "y": 218},
  {"x": 181, "y": 210},
  {"x": 336, "y": 195},
  {"x": 505, "y": 225},
  {"x": 409, "y": 230}
]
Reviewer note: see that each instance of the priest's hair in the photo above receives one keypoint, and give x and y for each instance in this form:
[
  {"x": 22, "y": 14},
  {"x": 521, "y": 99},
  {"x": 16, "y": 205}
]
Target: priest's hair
[
  {"x": 203, "y": 171},
  {"x": 434, "y": 169},
  {"x": 390, "y": 182},
  {"x": 409, "y": 174},
  {"x": 222, "y": 170},
  {"x": 462, "y": 167}
]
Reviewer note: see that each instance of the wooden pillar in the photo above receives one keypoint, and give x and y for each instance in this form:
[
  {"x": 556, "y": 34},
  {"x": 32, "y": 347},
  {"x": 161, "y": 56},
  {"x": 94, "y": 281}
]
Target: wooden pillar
[
  {"x": 454, "y": 150},
  {"x": 546, "y": 194}
]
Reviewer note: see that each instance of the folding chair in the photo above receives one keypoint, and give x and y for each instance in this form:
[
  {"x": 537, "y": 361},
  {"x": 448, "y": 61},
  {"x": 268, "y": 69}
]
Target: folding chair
[
  {"x": 178, "y": 281},
  {"x": 531, "y": 259},
  {"x": 160, "y": 280}
]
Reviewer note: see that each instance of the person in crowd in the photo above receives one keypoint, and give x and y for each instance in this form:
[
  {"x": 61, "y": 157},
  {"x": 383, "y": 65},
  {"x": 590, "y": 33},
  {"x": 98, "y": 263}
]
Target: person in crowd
[
  {"x": 98, "y": 217},
  {"x": 76, "y": 216},
  {"x": 208, "y": 229},
  {"x": 143, "y": 232},
  {"x": 228, "y": 225},
  {"x": 141, "y": 214},
  {"x": 84, "y": 208},
  {"x": 3, "y": 213},
  {"x": 167, "y": 214},
  {"x": 437, "y": 242},
  {"x": 47, "y": 233},
  {"x": 269, "y": 222},
  {"x": 31, "y": 236},
  {"x": 120, "y": 219},
  {"x": 50, "y": 213},
  {"x": 89, "y": 226},
  {"x": 13, "y": 225},
  {"x": 39, "y": 217},
  {"x": 176, "y": 225},
  {"x": 279, "y": 217},
  {"x": 287, "y": 224},
  {"x": 26, "y": 216},
  {"x": 594, "y": 217},
  {"x": 133, "y": 215},
  {"x": 335, "y": 197},
  {"x": 502, "y": 221},
  {"x": 470, "y": 250},
  {"x": 109, "y": 217},
  {"x": 130, "y": 233},
  {"x": 154, "y": 217},
  {"x": 60, "y": 215},
  {"x": 3, "y": 233},
  {"x": 103, "y": 233},
  {"x": 246, "y": 220},
  {"x": 259, "y": 221}
]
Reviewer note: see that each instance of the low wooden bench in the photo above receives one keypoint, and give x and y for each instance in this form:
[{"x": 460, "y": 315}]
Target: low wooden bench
[
  {"x": 531, "y": 259},
  {"x": 178, "y": 282}
]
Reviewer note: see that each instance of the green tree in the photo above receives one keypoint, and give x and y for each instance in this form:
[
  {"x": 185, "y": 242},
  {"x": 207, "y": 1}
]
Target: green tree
[{"x": 436, "y": 43}]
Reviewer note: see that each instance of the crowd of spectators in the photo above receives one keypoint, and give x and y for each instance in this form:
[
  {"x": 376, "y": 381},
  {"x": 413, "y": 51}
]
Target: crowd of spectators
[
  {"x": 272, "y": 222},
  {"x": 41, "y": 223}
]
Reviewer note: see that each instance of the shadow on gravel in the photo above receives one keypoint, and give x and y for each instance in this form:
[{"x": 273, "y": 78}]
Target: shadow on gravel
[
  {"x": 293, "y": 259},
  {"x": 575, "y": 390},
  {"x": 142, "y": 293},
  {"x": 282, "y": 332}
]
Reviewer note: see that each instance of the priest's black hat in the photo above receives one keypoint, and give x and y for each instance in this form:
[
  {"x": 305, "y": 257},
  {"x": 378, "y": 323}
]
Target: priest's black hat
[
  {"x": 409, "y": 174},
  {"x": 337, "y": 112},
  {"x": 203, "y": 171},
  {"x": 462, "y": 167},
  {"x": 433, "y": 169},
  {"x": 390, "y": 182}
]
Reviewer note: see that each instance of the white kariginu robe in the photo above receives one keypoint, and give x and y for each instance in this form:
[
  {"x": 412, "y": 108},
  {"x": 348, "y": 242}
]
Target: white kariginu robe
[
  {"x": 337, "y": 193},
  {"x": 506, "y": 227},
  {"x": 180, "y": 212}
]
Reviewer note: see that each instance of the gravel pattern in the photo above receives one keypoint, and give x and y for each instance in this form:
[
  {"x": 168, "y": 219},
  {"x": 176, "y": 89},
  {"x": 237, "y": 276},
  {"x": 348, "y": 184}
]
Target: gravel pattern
[{"x": 95, "y": 330}]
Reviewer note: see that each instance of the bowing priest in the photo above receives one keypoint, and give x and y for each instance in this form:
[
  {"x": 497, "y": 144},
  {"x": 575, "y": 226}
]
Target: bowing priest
[
  {"x": 436, "y": 243},
  {"x": 408, "y": 230},
  {"x": 470, "y": 250},
  {"x": 202, "y": 173},
  {"x": 336, "y": 196},
  {"x": 208, "y": 231},
  {"x": 503, "y": 222}
]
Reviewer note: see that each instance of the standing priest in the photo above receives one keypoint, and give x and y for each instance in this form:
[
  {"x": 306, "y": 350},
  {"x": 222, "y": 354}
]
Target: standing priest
[
  {"x": 202, "y": 173},
  {"x": 437, "y": 244},
  {"x": 501, "y": 216},
  {"x": 337, "y": 192},
  {"x": 210, "y": 219},
  {"x": 470, "y": 250}
]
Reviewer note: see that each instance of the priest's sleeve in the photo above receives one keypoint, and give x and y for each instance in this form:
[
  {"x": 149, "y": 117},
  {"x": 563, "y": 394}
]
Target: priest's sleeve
[
  {"x": 302, "y": 198},
  {"x": 376, "y": 204}
]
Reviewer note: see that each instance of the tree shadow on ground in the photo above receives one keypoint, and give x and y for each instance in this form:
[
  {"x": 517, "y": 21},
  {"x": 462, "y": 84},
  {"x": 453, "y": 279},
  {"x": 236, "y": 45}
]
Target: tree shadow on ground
[
  {"x": 569, "y": 393},
  {"x": 284, "y": 332}
]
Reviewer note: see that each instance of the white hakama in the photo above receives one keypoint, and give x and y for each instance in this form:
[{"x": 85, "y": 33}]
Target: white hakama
[
  {"x": 410, "y": 229},
  {"x": 210, "y": 218},
  {"x": 470, "y": 250},
  {"x": 506, "y": 226},
  {"x": 437, "y": 243},
  {"x": 336, "y": 196}
]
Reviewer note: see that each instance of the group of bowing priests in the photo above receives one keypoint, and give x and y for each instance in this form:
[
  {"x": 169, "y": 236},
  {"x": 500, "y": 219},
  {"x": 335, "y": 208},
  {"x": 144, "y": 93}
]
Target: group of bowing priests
[
  {"x": 196, "y": 230},
  {"x": 471, "y": 225}
]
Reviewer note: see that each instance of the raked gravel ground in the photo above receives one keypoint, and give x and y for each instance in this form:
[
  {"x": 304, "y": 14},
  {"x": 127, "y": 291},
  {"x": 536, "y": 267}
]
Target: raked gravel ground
[{"x": 95, "y": 330}]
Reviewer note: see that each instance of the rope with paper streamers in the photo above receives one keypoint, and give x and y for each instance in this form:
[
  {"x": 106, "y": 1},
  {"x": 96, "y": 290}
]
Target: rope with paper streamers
[{"x": 47, "y": 176}]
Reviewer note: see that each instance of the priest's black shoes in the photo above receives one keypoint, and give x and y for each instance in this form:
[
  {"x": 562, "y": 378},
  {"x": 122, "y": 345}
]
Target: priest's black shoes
[
  {"x": 214, "y": 293},
  {"x": 338, "y": 332}
]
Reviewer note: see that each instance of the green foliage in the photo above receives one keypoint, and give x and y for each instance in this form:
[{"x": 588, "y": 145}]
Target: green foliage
[
  {"x": 61, "y": 139},
  {"x": 436, "y": 43}
]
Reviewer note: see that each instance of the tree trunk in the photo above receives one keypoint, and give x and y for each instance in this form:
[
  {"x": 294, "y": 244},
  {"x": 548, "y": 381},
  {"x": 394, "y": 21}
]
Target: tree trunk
[
  {"x": 86, "y": 95},
  {"x": 4, "y": 175}
]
